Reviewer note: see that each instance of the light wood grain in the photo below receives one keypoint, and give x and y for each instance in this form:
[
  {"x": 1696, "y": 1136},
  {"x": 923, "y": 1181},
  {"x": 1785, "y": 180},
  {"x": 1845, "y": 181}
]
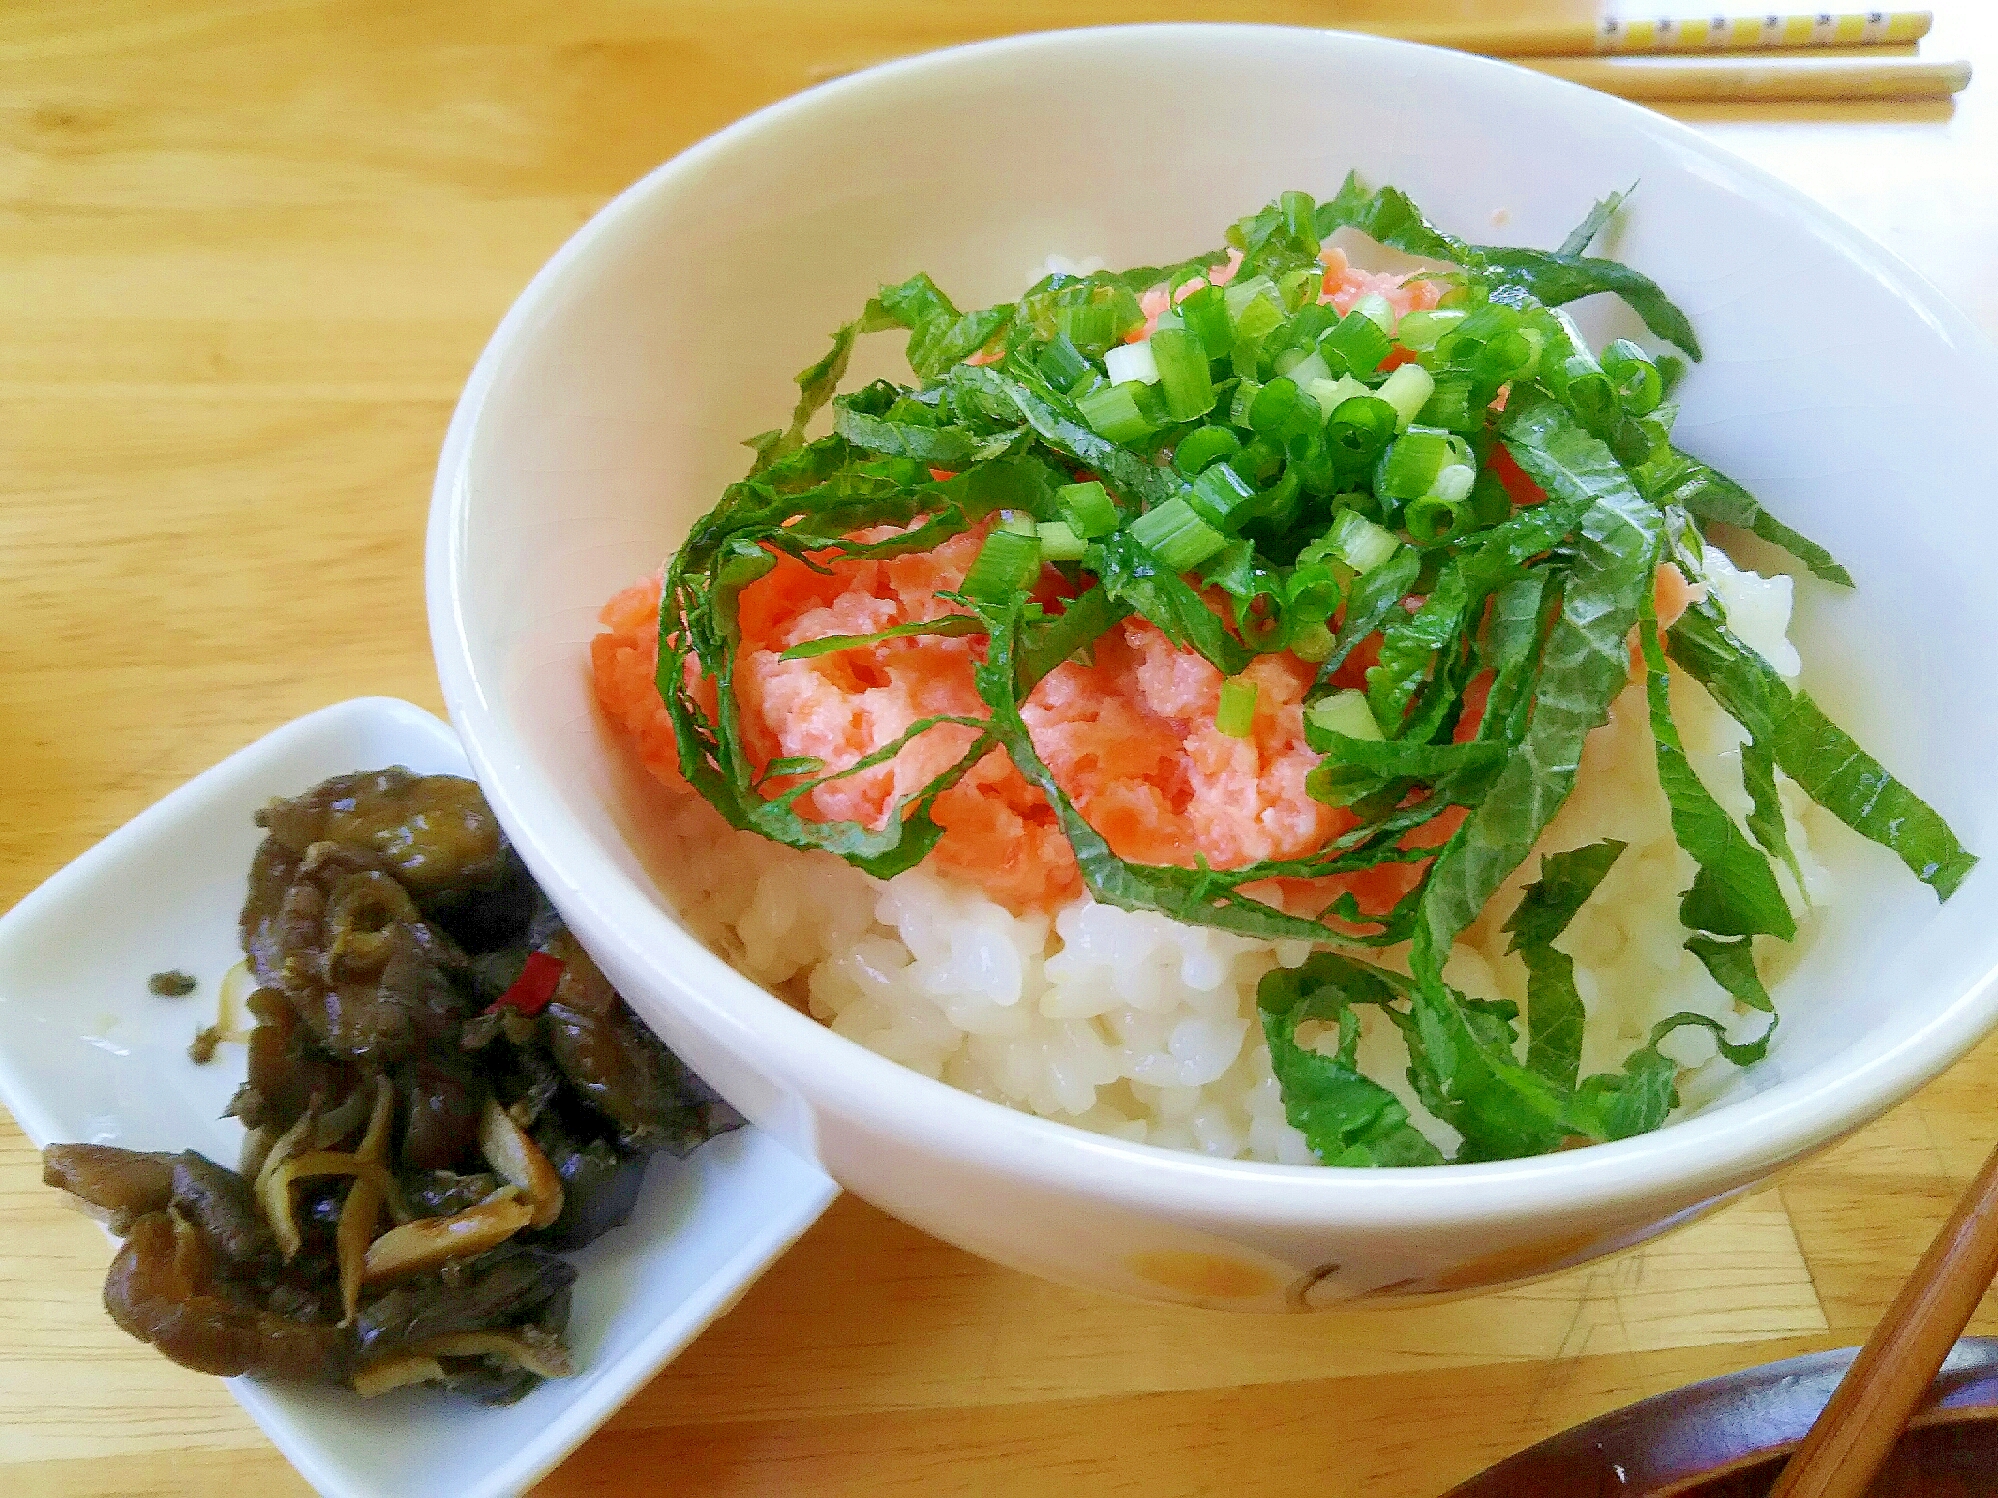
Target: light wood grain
[{"x": 248, "y": 251}]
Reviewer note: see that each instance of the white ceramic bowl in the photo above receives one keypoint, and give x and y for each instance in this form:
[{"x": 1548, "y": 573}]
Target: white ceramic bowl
[{"x": 605, "y": 415}]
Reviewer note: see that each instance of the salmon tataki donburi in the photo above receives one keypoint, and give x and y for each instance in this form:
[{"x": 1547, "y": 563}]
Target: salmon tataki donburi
[{"x": 1261, "y": 705}]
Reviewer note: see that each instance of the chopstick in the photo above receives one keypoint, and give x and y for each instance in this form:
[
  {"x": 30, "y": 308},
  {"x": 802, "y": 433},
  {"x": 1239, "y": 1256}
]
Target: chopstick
[
  {"x": 1824, "y": 80},
  {"x": 1634, "y": 36},
  {"x": 1886, "y": 1382},
  {"x": 1821, "y": 58}
]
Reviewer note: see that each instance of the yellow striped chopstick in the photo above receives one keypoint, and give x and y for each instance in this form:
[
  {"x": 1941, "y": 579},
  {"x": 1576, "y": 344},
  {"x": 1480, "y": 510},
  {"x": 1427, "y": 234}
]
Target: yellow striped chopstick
[
  {"x": 1634, "y": 36},
  {"x": 1825, "y": 58},
  {"x": 1674, "y": 80}
]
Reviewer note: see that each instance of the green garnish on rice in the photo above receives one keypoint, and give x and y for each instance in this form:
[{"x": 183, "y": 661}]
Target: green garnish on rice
[{"x": 1469, "y": 483}]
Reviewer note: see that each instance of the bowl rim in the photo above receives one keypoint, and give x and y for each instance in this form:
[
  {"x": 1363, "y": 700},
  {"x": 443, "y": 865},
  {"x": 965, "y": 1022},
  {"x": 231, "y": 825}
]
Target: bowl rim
[{"x": 1708, "y": 1154}]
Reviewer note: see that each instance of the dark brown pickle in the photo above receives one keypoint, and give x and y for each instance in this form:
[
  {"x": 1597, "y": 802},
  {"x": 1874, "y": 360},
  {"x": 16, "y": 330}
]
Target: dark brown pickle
[
  {"x": 161, "y": 1290},
  {"x": 284, "y": 1073},
  {"x": 366, "y": 973},
  {"x": 505, "y": 1287},
  {"x": 600, "y": 1186},
  {"x": 615, "y": 1064},
  {"x": 384, "y": 917},
  {"x": 483, "y": 917},
  {"x": 272, "y": 869},
  {"x": 439, "y": 1193},
  {"x": 219, "y": 1202},
  {"x": 434, "y": 832},
  {"x": 480, "y": 1381},
  {"x": 127, "y": 1184},
  {"x": 441, "y": 1104},
  {"x": 621, "y": 1069}
]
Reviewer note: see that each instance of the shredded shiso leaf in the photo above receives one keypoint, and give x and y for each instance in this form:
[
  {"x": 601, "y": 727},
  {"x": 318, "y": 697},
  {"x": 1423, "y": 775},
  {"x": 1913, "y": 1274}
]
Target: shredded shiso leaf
[{"x": 1280, "y": 482}]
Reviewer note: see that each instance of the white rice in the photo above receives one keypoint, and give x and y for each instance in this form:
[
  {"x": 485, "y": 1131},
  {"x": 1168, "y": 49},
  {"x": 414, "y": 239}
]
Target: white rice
[{"x": 1135, "y": 1025}]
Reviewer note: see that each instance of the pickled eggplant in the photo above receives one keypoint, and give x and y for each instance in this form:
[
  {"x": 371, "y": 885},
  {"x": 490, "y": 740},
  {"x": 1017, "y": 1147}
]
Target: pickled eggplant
[{"x": 442, "y": 1091}]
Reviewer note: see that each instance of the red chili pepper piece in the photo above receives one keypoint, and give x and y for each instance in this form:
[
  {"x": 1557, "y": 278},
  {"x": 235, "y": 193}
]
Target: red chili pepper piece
[
  {"x": 535, "y": 986},
  {"x": 1508, "y": 472}
]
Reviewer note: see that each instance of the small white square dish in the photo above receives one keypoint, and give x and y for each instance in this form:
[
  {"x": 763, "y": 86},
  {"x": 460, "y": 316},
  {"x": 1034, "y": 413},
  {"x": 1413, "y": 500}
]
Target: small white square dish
[{"x": 87, "y": 1053}]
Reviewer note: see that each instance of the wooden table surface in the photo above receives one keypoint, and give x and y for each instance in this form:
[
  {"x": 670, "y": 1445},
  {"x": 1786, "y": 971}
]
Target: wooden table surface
[{"x": 248, "y": 251}]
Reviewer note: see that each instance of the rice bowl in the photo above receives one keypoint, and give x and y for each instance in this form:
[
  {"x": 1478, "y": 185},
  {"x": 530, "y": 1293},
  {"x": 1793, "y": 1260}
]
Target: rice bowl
[{"x": 518, "y": 572}]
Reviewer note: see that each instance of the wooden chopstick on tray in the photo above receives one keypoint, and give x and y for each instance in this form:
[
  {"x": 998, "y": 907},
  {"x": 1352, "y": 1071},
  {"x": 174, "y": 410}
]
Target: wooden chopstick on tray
[
  {"x": 1634, "y": 36},
  {"x": 1733, "y": 60},
  {"x": 1663, "y": 80},
  {"x": 1720, "y": 59},
  {"x": 1886, "y": 1382}
]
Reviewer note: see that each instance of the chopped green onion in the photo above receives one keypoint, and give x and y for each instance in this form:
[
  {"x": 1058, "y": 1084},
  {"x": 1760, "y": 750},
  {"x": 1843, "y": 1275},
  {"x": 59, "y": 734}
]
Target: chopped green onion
[
  {"x": 1246, "y": 391},
  {"x": 1017, "y": 521},
  {"x": 1346, "y": 713},
  {"x": 1312, "y": 592},
  {"x": 1088, "y": 509},
  {"x": 1639, "y": 386},
  {"x": 1376, "y": 309},
  {"x": 1300, "y": 287},
  {"x": 1181, "y": 364},
  {"x": 1064, "y": 364},
  {"x": 1178, "y": 537},
  {"x": 1258, "y": 320},
  {"x": 1359, "y": 344},
  {"x": 1409, "y": 468},
  {"x": 1360, "y": 427},
  {"x": 1408, "y": 389},
  {"x": 1311, "y": 641},
  {"x": 1316, "y": 471},
  {"x": 1258, "y": 460},
  {"x": 1453, "y": 403},
  {"x": 1454, "y": 482},
  {"x": 1300, "y": 216},
  {"x": 1236, "y": 715},
  {"x": 1432, "y": 518},
  {"x": 1206, "y": 314},
  {"x": 1303, "y": 371},
  {"x": 1273, "y": 405},
  {"x": 1113, "y": 412},
  {"x": 1588, "y": 393},
  {"x": 1202, "y": 446},
  {"x": 1312, "y": 322},
  {"x": 1167, "y": 322},
  {"x": 1232, "y": 568},
  {"x": 1422, "y": 331},
  {"x": 1103, "y": 320},
  {"x": 1089, "y": 384},
  {"x": 1059, "y": 542},
  {"x": 1007, "y": 565},
  {"x": 1241, "y": 294},
  {"x": 1278, "y": 504},
  {"x": 1132, "y": 361},
  {"x": 1220, "y": 496},
  {"x": 1303, "y": 425},
  {"x": 1331, "y": 394},
  {"x": 1508, "y": 355},
  {"x": 1359, "y": 543}
]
